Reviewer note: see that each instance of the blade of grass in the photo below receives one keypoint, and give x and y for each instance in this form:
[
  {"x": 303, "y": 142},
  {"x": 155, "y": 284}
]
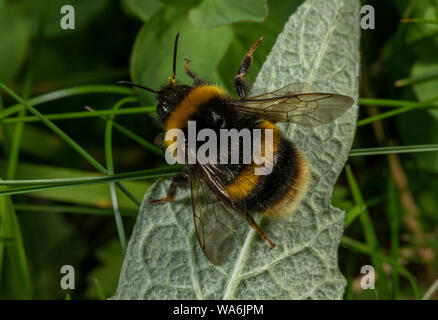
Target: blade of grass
[
  {"x": 419, "y": 20},
  {"x": 385, "y": 115},
  {"x": 133, "y": 136},
  {"x": 26, "y": 208},
  {"x": 6, "y": 148},
  {"x": 4, "y": 130},
  {"x": 2, "y": 243},
  {"x": 394, "y": 210},
  {"x": 18, "y": 128},
  {"x": 82, "y": 77},
  {"x": 18, "y": 258},
  {"x": 58, "y": 131},
  {"x": 94, "y": 196},
  {"x": 433, "y": 288},
  {"x": 59, "y": 94},
  {"x": 349, "y": 275},
  {"x": 100, "y": 291},
  {"x": 110, "y": 168},
  {"x": 66, "y": 183},
  {"x": 397, "y": 149},
  {"x": 14, "y": 151},
  {"x": 413, "y": 241},
  {"x": 351, "y": 215},
  {"x": 417, "y": 79},
  {"x": 369, "y": 232},
  {"x": 15, "y": 248},
  {"x": 362, "y": 248},
  {"x": 83, "y": 114},
  {"x": 67, "y": 140},
  {"x": 355, "y": 211},
  {"x": 12, "y": 162},
  {"x": 134, "y": 175},
  {"x": 386, "y": 102}
]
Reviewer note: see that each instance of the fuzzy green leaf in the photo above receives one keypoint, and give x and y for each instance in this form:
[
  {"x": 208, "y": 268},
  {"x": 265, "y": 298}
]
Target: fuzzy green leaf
[{"x": 319, "y": 45}]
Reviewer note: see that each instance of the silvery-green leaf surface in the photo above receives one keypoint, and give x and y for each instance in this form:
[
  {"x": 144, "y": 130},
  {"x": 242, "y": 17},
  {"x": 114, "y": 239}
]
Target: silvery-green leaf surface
[{"x": 319, "y": 45}]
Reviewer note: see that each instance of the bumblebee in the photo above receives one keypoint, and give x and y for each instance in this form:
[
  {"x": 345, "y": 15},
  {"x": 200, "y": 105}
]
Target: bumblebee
[{"x": 224, "y": 194}]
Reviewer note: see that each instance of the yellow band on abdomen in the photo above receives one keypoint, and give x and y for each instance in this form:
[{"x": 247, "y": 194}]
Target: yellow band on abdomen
[{"x": 247, "y": 180}]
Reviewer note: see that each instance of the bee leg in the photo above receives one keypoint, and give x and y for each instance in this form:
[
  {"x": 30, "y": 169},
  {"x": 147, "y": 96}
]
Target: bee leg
[
  {"x": 193, "y": 75},
  {"x": 179, "y": 181},
  {"x": 256, "y": 227},
  {"x": 159, "y": 140},
  {"x": 242, "y": 87}
]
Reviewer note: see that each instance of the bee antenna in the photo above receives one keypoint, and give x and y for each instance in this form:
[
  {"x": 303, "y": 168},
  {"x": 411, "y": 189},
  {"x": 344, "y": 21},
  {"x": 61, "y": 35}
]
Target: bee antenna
[
  {"x": 175, "y": 47},
  {"x": 132, "y": 84}
]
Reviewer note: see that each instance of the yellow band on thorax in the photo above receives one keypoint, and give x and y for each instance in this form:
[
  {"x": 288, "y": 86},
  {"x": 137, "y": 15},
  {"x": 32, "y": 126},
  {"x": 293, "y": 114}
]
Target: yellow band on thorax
[{"x": 185, "y": 109}]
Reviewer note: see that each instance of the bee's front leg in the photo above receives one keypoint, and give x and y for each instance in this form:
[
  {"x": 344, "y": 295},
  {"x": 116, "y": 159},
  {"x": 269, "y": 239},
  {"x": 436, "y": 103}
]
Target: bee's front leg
[
  {"x": 198, "y": 81},
  {"x": 242, "y": 87},
  {"x": 178, "y": 181}
]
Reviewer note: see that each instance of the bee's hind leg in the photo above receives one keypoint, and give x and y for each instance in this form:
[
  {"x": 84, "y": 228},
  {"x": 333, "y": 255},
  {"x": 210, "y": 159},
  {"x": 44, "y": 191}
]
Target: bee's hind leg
[
  {"x": 178, "y": 181},
  {"x": 193, "y": 75},
  {"x": 242, "y": 87},
  {"x": 259, "y": 230}
]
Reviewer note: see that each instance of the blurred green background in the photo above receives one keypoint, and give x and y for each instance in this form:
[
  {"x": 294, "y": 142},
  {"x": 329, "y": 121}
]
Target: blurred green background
[{"x": 391, "y": 200}]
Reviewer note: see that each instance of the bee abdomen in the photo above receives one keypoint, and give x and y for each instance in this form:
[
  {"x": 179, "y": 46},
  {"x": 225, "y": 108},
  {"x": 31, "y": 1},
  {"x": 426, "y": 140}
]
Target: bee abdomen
[{"x": 278, "y": 193}]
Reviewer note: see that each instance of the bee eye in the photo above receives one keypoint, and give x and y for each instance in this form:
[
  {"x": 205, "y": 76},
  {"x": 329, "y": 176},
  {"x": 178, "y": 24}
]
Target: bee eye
[{"x": 164, "y": 108}]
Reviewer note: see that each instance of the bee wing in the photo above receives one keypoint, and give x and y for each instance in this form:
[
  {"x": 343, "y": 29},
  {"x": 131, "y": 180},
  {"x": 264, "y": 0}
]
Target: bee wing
[
  {"x": 290, "y": 89},
  {"x": 215, "y": 222},
  {"x": 307, "y": 109}
]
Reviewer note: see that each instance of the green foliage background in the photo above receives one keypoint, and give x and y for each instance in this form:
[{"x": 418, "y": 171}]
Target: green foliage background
[{"x": 391, "y": 201}]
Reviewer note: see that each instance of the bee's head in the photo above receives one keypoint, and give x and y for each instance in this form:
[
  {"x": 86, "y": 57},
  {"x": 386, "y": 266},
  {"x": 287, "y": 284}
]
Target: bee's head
[{"x": 169, "y": 95}]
